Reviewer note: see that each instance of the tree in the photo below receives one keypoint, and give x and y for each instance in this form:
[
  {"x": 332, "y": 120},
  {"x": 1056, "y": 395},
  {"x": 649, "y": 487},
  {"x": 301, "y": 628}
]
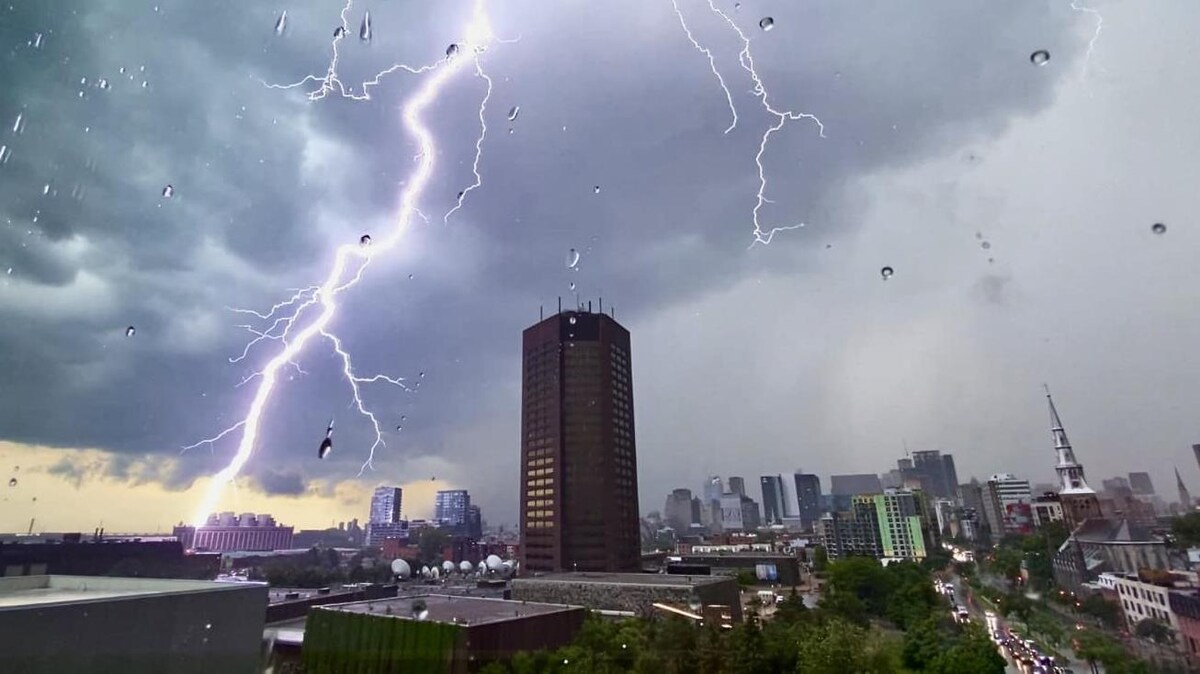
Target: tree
[
  {"x": 431, "y": 543},
  {"x": 831, "y": 648},
  {"x": 820, "y": 558},
  {"x": 1016, "y": 604},
  {"x": 1154, "y": 630},
  {"x": 923, "y": 642},
  {"x": 972, "y": 652},
  {"x": 746, "y": 578},
  {"x": 1047, "y": 626},
  {"x": 1108, "y": 612},
  {"x": 1007, "y": 563},
  {"x": 1185, "y": 530},
  {"x": 747, "y": 647},
  {"x": 1097, "y": 647}
]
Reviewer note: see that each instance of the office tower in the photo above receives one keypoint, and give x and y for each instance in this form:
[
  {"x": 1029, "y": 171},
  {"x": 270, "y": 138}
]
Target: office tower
[
  {"x": 1079, "y": 501},
  {"x": 1000, "y": 495},
  {"x": 474, "y": 522},
  {"x": 929, "y": 464},
  {"x": 678, "y": 510},
  {"x": 697, "y": 507},
  {"x": 579, "y": 491},
  {"x": 1140, "y": 484},
  {"x": 1185, "y": 497},
  {"x": 737, "y": 486},
  {"x": 450, "y": 507},
  {"x": 903, "y": 524},
  {"x": 772, "y": 498},
  {"x": 951, "y": 474},
  {"x": 852, "y": 485},
  {"x": 751, "y": 514},
  {"x": 714, "y": 488},
  {"x": 1115, "y": 485},
  {"x": 808, "y": 497},
  {"x": 727, "y": 514},
  {"x": 384, "y": 521}
]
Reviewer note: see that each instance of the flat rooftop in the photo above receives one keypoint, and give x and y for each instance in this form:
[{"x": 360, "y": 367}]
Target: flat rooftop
[
  {"x": 451, "y": 609},
  {"x": 644, "y": 579},
  {"x": 23, "y": 591}
]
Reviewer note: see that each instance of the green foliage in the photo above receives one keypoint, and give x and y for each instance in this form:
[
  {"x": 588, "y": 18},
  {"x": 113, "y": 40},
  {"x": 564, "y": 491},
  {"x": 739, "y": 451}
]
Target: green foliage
[
  {"x": 430, "y": 544},
  {"x": 936, "y": 559},
  {"x": 746, "y": 578},
  {"x": 1048, "y": 627},
  {"x": 1109, "y": 612},
  {"x": 1154, "y": 630},
  {"x": 1015, "y": 604},
  {"x": 1097, "y": 647},
  {"x": 820, "y": 558},
  {"x": 972, "y": 652},
  {"x": 1006, "y": 562},
  {"x": 1185, "y": 530}
]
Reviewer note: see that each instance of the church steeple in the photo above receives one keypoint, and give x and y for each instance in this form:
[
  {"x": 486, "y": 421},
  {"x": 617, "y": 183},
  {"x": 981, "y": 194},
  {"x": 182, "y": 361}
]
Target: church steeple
[{"x": 1070, "y": 472}]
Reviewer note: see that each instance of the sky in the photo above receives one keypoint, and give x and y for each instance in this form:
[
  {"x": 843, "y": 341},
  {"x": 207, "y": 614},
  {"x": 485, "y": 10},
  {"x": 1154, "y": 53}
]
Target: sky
[{"x": 1014, "y": 203}]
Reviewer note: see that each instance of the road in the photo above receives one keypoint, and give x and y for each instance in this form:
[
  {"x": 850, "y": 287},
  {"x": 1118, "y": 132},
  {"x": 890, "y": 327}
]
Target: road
[{"x": 963, "y": 596}]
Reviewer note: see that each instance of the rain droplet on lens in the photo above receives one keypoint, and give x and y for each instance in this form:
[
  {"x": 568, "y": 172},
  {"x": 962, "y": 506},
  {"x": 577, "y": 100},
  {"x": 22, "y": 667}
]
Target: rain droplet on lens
[
  {"x": 129, "y": 331},
  {"x": 339, "y": 32},
  {"x": 1158, "y": 228},
  {"x": 572, "y": 259},
  {"x": 985, "y": 245},
  {"x": 403, "y": 418},
  {"x": 596, "y": 189},
  {"x": 364, "y": 31},
  {"x": 572, "y": 285},
  {"x": 513, "y": 112},
  {"x": 460, "y": 195},
  {"x": 168, "y": 191},
  {"x": 399, "y": 428},
  {"x": 766, "y": 23},
  {"x": 737, "y": 6},
  {"x": 103, "y": 83},
  {"x": 12, "y": 481},
  {"x": 886, "y": 273},
  {"x": 421, "y": 375},
  {"x": 452, "y": 50},
  {"x": 280, "y": 25},
  {"x": 1039, "y": 57},
  {"x": 364, "y": 240}
]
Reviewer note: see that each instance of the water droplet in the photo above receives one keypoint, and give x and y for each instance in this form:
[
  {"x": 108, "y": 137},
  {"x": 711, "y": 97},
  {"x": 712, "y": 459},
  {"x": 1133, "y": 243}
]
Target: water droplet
[
  {"x": 121, "y": 70},
  {"x": 130, "y": 331},
  {"x": 280, "y": 25},
  {"x": 1039, "y": 57},
  {"x": 37, "y": 40},
  {"x": 399, "y": 428},
  {"x": 985, "y": 245},
  {"x": 513, "y": 112},
  {"x": 103, "y": 83},
  {"x": 144, "y": 84},
  {"x": 10, "y": 271},
  {"x": 168, "y": 191},
  {"x": 83, "y": 81},
  {"x": 12, "y": 481},
  {"x": 1158, "y": 228},
  {"x": 596, "y": 189},
  {"x": 208, "y": 626},
  {"x": 46, "y": 189},
  {"x": 5, "y": 154},
  {"x": 766, "y": 23},
  {"x": 364, "y": 240},
  {"x": 339, "y": 33},
  {"x": 403, "y": 418},
  {"x": 421, "y": 375},
  {"x": 572, "y": 259},
  {"x": 460, "y": 195},
  {"x": 510, "y": 131},
  {"x": 364, "y": 31},
  {"x": 452, "y": 50},
  {"x": 572, "y": 286},
  {"x": 19, "y": 123},
  {"x": 886, "y": 273},
  {"x": 571, "y": 320},
  {"x": 737, "y": 6}
]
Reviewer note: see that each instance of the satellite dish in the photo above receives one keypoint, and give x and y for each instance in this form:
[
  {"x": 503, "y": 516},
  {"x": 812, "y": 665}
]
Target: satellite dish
[
  {"x": 435, "y": 572},
  {"x": 506, "y": 568},
  {"x": 401, "y": 568},
  {"x": 466, "y": 567},
  {"x": 482, "y": 568},
  {"x": 448, "y": 567},
  {"x": 425, "y": 571},
  {"x": 493, "y": 563}
]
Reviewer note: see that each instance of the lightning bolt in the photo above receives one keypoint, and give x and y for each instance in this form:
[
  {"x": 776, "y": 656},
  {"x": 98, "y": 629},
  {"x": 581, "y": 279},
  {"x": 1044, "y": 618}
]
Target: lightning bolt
[
  {"x": 308, "y": 313},
  {"x": 782, "y": 117},
  {"x": 1084, "y": 9}
]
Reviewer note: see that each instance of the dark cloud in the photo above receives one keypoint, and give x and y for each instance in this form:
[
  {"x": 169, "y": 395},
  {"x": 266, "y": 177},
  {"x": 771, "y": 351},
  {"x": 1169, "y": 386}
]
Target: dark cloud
[{"x": 265, "y": 182}]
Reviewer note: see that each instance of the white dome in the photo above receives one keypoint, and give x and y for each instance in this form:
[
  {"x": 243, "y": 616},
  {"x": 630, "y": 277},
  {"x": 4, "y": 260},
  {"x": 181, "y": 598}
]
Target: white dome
[
  {"x": 448, "y": 567},
  {"x": 435, "y": 572},
  {"x": 425, "y": 571},
  {"x": 466, "y": 567},
  {"x": 493, "y": 563},
  {"x": 401, "y": 568}
]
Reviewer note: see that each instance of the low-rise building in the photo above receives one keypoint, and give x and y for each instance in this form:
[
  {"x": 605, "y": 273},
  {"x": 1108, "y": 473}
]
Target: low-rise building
[
  {"x": 225, "y": 533},
  {"x": 1099, "y": 545},
  {"x": 55, "y": 624},
  {"x": 630, "y": 593}
]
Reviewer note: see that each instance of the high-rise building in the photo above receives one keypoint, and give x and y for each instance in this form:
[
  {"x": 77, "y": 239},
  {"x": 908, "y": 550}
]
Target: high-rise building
[
  {"x": 751, "y": 514},
  {"x": 579, "y": 492},
  {"x": 1185, "y": 497},
  {"x": 474, "y": 522},
  {"x": 853, "y": 532},
  {"x": 1196, "y": 451},
  {"x": 1079, "y": 501},
  {"x": 808, "y": 498},
  {"x": 450, "y": 507},
  {"x": 385, "y": 520},
  {"x": 929, "y": 463},
  {"x": 772, "y": 499},
  {"x": 852, "y": 485},
  {"x": 1140, "y": 484},
  {"x": 951, "y": 474},
  {"x": 1115, "y": 485},
  {"x": 1000, "y": 494},
  {"x": 737, "y": 486},
  {"x": 678, "y": 510},
  {"x": 903, "y": 524}
]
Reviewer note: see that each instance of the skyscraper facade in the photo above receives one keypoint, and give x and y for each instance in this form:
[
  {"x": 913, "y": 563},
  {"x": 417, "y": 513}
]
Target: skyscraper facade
[
  {"x": 903, "y": 524},
  {"x": 579, "y": 496},
  {"x": 1140, "y": 484},
  {"x": 951, "y": 474},
  {"x": 384, "y": 521},
  {"x": 678, "y": 510},
  {"x": 1002, "y": 492},
  {"x": 929, "y": 463},
  {"x": 852, "y": 485},
  {"x": 737, "y": 486},
  {"x": 772, "y": 499},
  {"x": 808, "y": 497},
  {"x": 450, "y": 507}
]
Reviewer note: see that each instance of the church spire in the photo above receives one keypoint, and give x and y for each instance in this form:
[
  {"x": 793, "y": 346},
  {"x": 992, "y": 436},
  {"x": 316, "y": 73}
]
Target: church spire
[{"x": 1070, "y": 472}]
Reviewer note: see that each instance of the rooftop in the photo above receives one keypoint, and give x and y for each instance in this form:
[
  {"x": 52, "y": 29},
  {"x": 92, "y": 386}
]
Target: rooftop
[
  {"x": 647, "y": 579},
  {"x": 18, "y": 592},
  {"x": 451, "y": 609}
]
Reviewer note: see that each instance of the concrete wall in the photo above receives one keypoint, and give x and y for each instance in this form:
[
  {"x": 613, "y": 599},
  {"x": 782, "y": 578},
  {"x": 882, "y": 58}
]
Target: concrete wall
[
  {"x": 196, "y": 630},
  {"x": 626, "y": 596}
]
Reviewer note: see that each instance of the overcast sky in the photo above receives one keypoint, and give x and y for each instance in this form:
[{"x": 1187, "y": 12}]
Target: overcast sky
[{"x": 940, "y": 138}]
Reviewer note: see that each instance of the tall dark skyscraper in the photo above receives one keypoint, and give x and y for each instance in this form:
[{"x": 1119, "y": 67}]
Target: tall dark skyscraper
[
  {"x": 1140, "y": 483},
  {"x": 951, "y": 474},
  {"x": 384, "y": 521},
  {"x": 737, "y": 486},
  {"x": 579, "y": 493},
  {"x": 808, "y": 497},
  {"x": 772, "y": 499}
]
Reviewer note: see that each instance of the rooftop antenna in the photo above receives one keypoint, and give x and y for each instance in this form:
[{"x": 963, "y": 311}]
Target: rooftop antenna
[
  {"x": 601, "y": 305},
  {"x": 589, "y": 306},
  {"x": 560, "y": 304},
  {"x": 541, "y": 313}
]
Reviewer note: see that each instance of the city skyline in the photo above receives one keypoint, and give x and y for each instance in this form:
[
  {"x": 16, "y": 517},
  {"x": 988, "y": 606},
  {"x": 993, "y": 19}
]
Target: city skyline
[{"x": 752, "y": 360}]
